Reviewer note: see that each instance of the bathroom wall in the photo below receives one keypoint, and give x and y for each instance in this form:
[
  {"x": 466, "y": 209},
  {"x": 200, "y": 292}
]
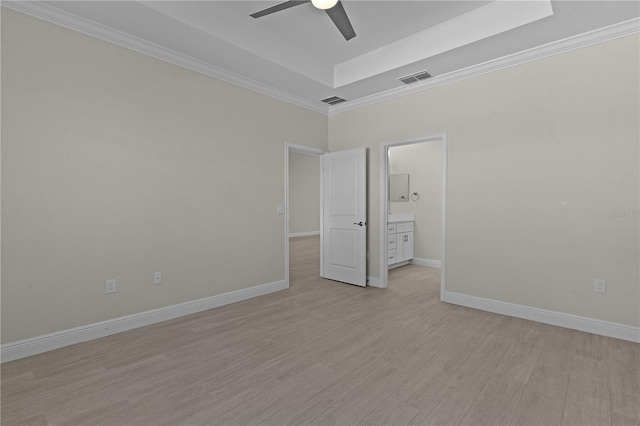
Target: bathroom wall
[{"x": 423, "y": 163}]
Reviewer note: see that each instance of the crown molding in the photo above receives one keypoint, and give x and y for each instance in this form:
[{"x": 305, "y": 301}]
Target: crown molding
[
  {"x": 601, "y": 35},
  {"x": 40, "y": 10},
  {"x": 478, "y": 24}
]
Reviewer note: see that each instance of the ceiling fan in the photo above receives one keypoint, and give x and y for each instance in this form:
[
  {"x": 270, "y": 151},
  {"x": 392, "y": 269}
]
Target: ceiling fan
[{"x": 334, "y": 9}]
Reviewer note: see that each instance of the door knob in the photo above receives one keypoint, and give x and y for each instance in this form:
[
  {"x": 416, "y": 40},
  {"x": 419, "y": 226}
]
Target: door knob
[{"x": 359, "y": 223}]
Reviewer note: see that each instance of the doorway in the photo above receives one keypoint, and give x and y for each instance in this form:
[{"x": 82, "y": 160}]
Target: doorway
[
  {"x": 438, "y": 141},
  {"x": 343, "y": 201},
  {"x": 304, "y": 219}
]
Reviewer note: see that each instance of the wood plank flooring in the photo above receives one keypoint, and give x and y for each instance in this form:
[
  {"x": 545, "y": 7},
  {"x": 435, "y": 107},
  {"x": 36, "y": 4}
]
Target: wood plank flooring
[{"x": 324, "y": 353}]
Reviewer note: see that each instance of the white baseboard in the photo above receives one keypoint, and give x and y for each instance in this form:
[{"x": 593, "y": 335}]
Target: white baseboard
[
  {"x": 59, "y": 339},
  {"x": 374, "y": 282},
  {"x": 425, "y": 262},
  {"x": 397, "y": 265},
  {"x": 561, "y": 319},
  {"x": 303, "y": 234}
]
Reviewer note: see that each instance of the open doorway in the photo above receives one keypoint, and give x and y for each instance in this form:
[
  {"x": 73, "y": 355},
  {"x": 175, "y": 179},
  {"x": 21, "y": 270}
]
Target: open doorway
[
  {"x": 413, "y": 207},
  {"x": 341, "y": 190},
  {"x": 302, "y": 210}
]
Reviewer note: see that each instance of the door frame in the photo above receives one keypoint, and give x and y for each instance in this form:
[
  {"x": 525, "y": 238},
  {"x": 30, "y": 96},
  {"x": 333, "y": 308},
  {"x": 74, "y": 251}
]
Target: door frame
[
  {"x": 300, "y": 149},
  {"x": 384, "y": 205}
]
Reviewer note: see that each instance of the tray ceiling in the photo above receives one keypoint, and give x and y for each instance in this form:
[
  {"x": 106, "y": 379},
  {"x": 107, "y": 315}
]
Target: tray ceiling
[{"x": 299, "y": 55}]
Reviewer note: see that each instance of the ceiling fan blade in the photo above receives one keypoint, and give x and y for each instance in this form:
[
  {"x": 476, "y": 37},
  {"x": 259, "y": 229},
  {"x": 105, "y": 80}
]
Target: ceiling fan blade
[
  {"x": 278, "y": 8},
  {"x": 339, "y": 17}
]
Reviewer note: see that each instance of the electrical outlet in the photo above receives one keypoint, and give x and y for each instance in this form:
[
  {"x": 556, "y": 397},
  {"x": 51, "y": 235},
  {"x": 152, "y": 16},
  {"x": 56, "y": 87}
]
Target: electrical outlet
[
  {"x": 600, "y": 285},
  {"x": 157, "y": 277},
  {"x": 111, "y": 286}
]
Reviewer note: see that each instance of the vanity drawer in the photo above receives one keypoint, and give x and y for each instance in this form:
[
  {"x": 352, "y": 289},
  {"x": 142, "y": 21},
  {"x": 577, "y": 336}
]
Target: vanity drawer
[
  {"x": 391, "y": 241},
  {"x": 391, "y": 228},
  {"x": 404, "y": 227},
  {"x": 391, "y": 257}
]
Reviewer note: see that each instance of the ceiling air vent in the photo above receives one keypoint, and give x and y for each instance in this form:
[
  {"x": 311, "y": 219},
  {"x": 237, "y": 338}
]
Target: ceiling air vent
[
  {"x": 414, "y": 78},
  {"x": 333, "y": 100}
]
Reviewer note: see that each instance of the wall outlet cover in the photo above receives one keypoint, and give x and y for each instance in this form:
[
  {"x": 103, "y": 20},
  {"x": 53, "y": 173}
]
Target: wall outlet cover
[
  {"x": 111, "y": 286},
  {"x": 600, "y": 285}
]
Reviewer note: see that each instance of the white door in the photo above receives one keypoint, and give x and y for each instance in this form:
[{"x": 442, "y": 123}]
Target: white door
[{"x": 344, "y": 227}]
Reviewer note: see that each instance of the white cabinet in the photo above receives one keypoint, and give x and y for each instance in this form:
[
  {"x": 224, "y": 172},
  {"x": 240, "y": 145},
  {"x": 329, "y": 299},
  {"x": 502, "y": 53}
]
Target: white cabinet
[
  {"x": 391, "y": 244},
  {"x": 399, "y": 243}
]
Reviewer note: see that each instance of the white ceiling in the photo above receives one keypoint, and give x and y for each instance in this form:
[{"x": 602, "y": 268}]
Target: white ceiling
[{"x": 299, "y": 55}]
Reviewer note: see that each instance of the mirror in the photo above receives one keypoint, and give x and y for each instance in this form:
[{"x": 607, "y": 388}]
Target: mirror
[{"x": 399, "y": 187}]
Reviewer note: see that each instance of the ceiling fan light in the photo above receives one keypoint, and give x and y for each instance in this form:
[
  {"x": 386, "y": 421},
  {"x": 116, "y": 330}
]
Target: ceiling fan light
[{"x": 324, "y": 4}]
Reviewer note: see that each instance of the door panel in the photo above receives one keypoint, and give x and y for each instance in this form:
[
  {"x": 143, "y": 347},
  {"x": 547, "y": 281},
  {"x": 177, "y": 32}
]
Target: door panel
[
  {"x": 344, "y": 248},
  {"x": 344, "y": 185},
  {"x": 344, "y": 216}
]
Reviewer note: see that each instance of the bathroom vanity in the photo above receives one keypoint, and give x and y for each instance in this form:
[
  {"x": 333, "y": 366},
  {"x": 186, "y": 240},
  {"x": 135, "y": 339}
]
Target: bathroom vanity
[{"x": 399, "y": 239}]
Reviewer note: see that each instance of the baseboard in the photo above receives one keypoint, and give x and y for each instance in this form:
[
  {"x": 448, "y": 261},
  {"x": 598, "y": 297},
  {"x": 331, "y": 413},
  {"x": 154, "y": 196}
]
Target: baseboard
[
  {"x": 303, "y": 234},
  {"x": 374, "y": 282},
  {"x": 48, "y": 342},
  {"x": 425, "y": 262},
  {"x": 561, "y": 319},
  {"x": 397, "y": 265}
]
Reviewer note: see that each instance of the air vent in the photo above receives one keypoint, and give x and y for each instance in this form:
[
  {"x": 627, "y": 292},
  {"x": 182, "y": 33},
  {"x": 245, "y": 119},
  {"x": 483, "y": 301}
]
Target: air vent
[
  {"x": 333, "y": 100},
  {"x": 414, "y": 78}
]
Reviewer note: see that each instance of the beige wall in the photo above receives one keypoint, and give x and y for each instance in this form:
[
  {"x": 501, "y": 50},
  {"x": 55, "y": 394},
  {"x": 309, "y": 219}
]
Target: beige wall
[
  {"x": 115, "y": 164},
  {"x": 423, "y": 163},
  {"x": 304, "y": 193},
  {"x": 537, "y": 154}
]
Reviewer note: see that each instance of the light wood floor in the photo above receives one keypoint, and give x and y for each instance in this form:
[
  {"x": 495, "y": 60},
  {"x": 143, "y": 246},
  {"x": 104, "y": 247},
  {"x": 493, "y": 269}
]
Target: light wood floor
[{"x": 328, "y": 353}]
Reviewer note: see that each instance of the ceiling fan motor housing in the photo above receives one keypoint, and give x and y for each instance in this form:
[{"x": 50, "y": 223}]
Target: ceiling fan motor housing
[{"x": 324, "y": 4}]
